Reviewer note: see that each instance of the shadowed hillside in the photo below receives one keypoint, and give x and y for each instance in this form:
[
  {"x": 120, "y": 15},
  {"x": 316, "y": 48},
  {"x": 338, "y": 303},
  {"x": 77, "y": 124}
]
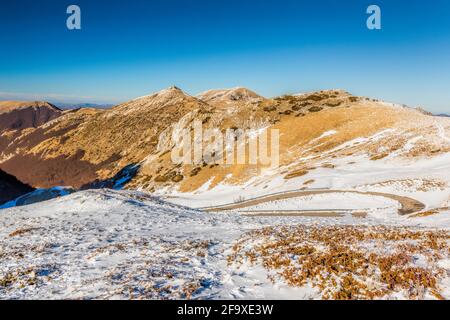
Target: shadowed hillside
[{"x": 11, "y": 188}]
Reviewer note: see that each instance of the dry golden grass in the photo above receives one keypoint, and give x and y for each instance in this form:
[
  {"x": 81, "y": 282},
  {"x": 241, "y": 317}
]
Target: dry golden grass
[
  {"x": 22, "y": 231},
  {"x": 379, "y": 156},
  {"x": 429, "y": 212},
  {"x": 424, "y": 214},
  {"x": 296, "y": 173},
  {"x": 12, "y": 278},
  {"x": 348, "y": 262}
]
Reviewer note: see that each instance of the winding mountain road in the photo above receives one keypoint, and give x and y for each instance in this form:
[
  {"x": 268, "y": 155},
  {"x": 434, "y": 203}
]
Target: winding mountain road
[{"x": 408, "y": 205}]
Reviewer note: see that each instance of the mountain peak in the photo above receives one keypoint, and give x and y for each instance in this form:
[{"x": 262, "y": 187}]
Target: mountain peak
[
  {"x": 172, "y": 90},
  {"x": 167, "y": 97}
]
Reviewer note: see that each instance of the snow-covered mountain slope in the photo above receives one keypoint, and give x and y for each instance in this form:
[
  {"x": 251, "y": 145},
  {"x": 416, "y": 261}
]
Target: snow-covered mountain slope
[
  {"x": 125, "y": 244},
  {"x": 110, "y": 244},
  {"x": 426, "y": 179}
]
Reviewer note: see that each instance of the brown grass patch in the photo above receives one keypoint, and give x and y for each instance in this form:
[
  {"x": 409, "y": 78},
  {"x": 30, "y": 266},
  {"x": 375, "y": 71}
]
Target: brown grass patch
[
  {"x": 24, "y": 277},
  {"x": 379, "y": 156},
  {"x": 429, "y": 212},
  {"x": 315, "y": 109},
  {"x": 348, "y": 262},
  {"x": 22, "y": 231},
  {"x": 424, "y": 214},
  {"x": 297, "y": 173}
]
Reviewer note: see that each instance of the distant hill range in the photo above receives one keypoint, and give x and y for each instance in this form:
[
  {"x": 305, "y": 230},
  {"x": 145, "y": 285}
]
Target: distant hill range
[{"x": 66, "y": 106}]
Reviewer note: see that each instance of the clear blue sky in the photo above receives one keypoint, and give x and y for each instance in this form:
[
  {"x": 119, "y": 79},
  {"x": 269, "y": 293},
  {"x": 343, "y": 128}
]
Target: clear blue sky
[{"x": 131, "y": 48}]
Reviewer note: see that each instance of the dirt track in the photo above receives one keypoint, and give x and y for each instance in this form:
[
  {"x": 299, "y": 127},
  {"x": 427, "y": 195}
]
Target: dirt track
[{"x": 408, "y": 205}]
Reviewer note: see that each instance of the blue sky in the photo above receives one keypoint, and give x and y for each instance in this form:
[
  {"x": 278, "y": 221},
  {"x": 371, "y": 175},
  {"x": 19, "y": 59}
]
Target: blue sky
[{"x": 131, "y": 48}]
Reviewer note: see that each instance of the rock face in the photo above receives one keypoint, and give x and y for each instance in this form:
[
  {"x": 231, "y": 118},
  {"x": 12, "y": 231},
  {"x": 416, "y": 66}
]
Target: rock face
[
  {"x": 11, "y": 188},
  {"x": 92, "y": 147}
]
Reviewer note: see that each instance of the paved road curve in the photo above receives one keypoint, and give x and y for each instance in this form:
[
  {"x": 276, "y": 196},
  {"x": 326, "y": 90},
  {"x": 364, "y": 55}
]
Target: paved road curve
[{"x": 408, "y": 205}]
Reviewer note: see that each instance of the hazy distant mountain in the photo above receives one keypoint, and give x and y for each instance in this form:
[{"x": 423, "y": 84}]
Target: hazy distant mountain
[
  {"x": 64, "y": 105},
  {"x": 442, "y": 115}
]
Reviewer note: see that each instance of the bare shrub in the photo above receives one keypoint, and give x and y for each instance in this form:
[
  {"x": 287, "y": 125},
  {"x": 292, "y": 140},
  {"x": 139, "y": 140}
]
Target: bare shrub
[{"x": 342, "y": 262}]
